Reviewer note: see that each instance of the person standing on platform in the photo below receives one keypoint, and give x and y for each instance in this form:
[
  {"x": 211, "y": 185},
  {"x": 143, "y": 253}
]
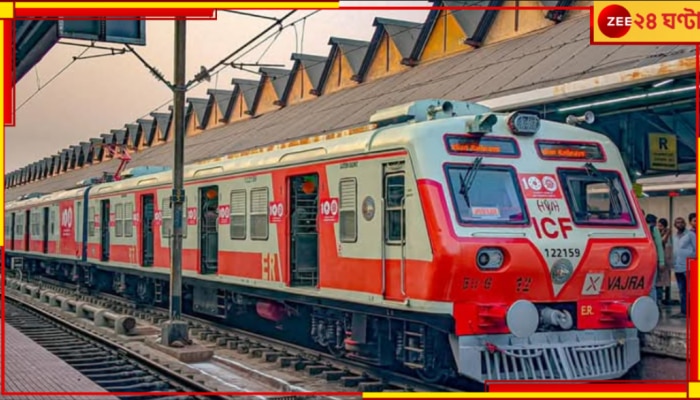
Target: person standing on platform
[
  {"x": 660, "y": 259},
  {"x": 683, "y": 248},
  {"x": 663, "y": 280}
]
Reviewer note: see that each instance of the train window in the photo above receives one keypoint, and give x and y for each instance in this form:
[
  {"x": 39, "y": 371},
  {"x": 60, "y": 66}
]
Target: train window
[
  {"x": 259, "y": 208},
  {"x": 238, "y": 214},
  {"x": 119, "y": 210},
  {"x": 486, "y": 195},
  {"x": 348, "y": 210},
  {"x": 166, "y": 219},
  {"x": 91, "y": 221},
  {"x": 394, "y": 210},
  {"x": 35, "y": 224},
  {"x": 129, "y": 219},
  {"x": 596, "y": 197}
]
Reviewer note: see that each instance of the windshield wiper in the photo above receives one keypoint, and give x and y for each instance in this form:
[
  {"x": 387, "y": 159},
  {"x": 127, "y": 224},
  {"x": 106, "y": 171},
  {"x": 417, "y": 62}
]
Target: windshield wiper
[
  {"x": 468, "y": 179},
  {"x": 615, "y": 204}
]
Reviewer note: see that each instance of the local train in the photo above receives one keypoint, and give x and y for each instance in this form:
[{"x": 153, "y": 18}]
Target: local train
[{"x": 440, "y": 237}]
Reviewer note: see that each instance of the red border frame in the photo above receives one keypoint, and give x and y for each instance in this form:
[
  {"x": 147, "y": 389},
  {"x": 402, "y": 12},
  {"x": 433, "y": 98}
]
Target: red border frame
[{"x": 657, "y": 387}]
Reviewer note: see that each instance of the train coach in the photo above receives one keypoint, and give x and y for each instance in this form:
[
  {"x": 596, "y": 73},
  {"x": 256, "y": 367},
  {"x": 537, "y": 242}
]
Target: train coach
[{"x": 439, "y": 237}]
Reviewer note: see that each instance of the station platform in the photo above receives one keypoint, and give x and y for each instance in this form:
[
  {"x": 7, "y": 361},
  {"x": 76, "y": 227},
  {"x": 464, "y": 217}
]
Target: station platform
[
  {"x": 30, "y": 369},
  {"x": 669, "y": 338}
]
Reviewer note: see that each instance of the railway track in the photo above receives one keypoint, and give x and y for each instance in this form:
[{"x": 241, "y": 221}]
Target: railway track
[
  {"x": 313, "y": 363},
  {"x": 116, "y": 369}
]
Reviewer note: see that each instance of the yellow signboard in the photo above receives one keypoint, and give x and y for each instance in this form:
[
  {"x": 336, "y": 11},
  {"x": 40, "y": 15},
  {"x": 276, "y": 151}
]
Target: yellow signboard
[
  {"x": 645, "y": 22},
  {"x": 663, "y": 152}
]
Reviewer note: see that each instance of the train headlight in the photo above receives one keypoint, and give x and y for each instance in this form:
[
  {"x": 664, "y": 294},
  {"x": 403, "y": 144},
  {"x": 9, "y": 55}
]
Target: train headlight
[
  {"x": 620, "y": 257},
  {"x": 489, "y": 258},
  {"x": 524, "y": 123}
]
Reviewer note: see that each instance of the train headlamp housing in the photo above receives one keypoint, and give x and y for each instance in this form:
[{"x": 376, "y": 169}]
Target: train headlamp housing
[
  {"x": 524, "y": 123},
  {"x": 490, "y": 258},
  {"x": 620, "y": 257}
]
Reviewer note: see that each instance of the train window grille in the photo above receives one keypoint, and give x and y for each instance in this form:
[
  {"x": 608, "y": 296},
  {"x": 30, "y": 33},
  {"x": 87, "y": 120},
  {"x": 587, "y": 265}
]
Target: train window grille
[
  {"x": 395, "y": 211},
  {"x": 348, "y": 210},
  {"x": 36, "y": 224},
  {"x": 91, "y": 222},
  {"x": 119, "y": 210},
  {"x": 238, "y": 214},
  {"x": 128, "y": 219},
  {"x": 259, "y": 208}
]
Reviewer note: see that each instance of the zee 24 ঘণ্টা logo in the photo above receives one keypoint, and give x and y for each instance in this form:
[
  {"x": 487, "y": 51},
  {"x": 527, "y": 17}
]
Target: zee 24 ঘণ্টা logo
[{"x": 615, "y": 21}]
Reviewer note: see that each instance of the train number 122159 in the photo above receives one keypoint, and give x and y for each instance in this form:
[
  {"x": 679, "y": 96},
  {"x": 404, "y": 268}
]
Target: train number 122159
[{"x": 562, "y": 252}]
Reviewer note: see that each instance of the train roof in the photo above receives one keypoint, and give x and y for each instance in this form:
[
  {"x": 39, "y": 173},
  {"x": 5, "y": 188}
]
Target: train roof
[{"x": 544, "y": 58}]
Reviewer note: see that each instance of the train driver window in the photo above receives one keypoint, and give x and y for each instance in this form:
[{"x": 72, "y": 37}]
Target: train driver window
[
  {"x": 486, "y": 195},
  {"x": 596, "y": 197}
]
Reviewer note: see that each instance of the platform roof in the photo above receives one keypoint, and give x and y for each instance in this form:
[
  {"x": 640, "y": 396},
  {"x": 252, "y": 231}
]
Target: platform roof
[{"x": 550, "y": 57}]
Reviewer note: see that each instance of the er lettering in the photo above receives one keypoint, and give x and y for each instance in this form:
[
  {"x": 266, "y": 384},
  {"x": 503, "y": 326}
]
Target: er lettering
[
  {"x": 619, "y": 21},
  {"x": 586, "y": 310}
]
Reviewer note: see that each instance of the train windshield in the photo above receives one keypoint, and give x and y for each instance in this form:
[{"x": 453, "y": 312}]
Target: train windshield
[
  {"x": 596, "y": 197},
  {"x": 485, "y": 195}
]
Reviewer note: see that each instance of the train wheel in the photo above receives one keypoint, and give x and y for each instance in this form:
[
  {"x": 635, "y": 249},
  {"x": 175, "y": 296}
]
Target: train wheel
[
  {"x": 336, "y": 351},
  {"x": 433, "y": 375}
]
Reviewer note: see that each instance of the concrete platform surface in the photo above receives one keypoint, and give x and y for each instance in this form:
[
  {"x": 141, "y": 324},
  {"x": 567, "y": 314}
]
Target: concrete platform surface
[
  {"x": 669, "y": 338},
  {"x": 31, "y": 368}
]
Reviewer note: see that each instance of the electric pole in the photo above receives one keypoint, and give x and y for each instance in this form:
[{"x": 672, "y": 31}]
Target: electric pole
[{"x": 176, "y": 329}]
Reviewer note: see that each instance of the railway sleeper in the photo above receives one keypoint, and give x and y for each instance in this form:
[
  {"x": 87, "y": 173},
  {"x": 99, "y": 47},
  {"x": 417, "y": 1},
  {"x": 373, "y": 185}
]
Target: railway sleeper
[
  {"x": 81, "y": 357},
  {"x": 143, "y": 387},
  {"x": 352, "y": 381},
  {"x": 98, "y": 364},
  {"x": 103, "y": 373},
  {"x": 107, "y": 371},
  {"x": 110, "y": 384},
  {"x": 333, "y": 375},
  {"x": 285, "y": 362},
  {"x": 370, "y": 387},
  {"x": 68, "y": 345},
  {"x": 88, "y": 350},
  {"x": 317, "y": 369}
]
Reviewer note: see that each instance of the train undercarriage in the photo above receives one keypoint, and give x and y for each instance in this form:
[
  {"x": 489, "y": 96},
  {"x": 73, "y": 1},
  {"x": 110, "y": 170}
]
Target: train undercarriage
[{"x": 385, "y": 341}]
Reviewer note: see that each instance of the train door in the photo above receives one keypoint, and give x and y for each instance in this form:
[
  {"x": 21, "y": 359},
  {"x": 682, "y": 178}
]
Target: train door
[
  {"x": 303, "y": 230},
  {"x": 12, "y": 232},
  {"x": 147, "y": 235},
  {"x": 104, "y": 229},
  {"x": 394, "y": 230},
  {"x": 27, "y": 229},
  {"x": 209, "y": 229},
  {"x": 45, "y": 231}
]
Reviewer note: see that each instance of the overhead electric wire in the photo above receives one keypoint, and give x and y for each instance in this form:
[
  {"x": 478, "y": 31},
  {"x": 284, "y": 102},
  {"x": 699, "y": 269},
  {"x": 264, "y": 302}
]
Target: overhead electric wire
[
  {"x": 251, "y": 48},
  {"x": 75, "y": 58}
]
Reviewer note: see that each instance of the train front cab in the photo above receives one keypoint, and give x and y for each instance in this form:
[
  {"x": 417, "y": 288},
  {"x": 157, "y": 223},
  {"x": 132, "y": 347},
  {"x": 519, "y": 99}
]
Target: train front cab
[{"x": 558, "y": 263}]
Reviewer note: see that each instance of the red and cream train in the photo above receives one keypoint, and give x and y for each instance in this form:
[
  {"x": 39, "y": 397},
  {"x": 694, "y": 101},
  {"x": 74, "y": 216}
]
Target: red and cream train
[{"x": 441, "y": 237}]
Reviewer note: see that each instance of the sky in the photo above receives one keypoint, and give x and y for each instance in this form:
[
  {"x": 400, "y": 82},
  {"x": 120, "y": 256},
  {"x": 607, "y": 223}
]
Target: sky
[{"x": 94, "y": 95}]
